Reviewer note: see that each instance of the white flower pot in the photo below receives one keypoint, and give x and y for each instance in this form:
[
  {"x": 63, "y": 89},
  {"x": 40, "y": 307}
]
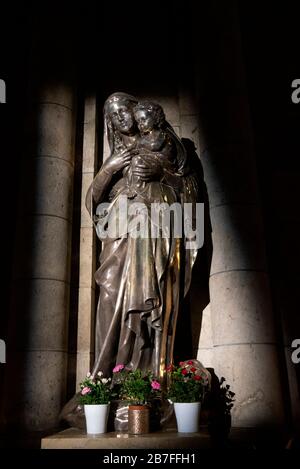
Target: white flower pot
[
  {"x": 187, "y": 416},
  {"x": 96, "y": 416}
]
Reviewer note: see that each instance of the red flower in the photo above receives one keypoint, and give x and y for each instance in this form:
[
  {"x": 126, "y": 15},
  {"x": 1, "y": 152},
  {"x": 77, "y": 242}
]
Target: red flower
[
  {"x": 196, "y": 377},
  {"x": 193, "y": 370},
  {"x": 190, "y": 362},
  {"x": 184, "y": 371},
  {"x": 169, "y": 367}
]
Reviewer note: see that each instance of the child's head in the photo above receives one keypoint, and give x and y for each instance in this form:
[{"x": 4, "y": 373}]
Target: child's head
[{"x": 148, "y": 116}]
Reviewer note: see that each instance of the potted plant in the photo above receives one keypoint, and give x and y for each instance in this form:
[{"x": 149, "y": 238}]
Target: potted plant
[
  {"x": 136, "y": 388},
  {"x": 220, "y": 402},
  {"x": 187, "y": 384},
  {"x": 95, "y": 396}
]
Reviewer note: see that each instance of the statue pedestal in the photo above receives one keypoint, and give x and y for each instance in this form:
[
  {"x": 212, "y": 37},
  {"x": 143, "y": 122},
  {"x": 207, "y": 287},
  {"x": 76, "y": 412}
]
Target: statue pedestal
[{"x": 72, "y": 438}]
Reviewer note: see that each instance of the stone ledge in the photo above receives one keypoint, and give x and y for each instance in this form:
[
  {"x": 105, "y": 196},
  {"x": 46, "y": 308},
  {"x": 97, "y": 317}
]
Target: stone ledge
[{"x": 72, "y": 438}]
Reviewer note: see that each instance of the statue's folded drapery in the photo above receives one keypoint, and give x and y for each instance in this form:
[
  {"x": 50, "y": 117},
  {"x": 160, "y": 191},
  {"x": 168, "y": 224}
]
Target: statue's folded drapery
[
  {"x": 141, "y": 281},
  {"x": 135, "y": 276}
]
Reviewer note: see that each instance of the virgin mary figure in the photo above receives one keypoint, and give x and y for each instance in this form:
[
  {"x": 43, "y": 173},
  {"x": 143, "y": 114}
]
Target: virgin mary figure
[{"x": 142, "y": 277}]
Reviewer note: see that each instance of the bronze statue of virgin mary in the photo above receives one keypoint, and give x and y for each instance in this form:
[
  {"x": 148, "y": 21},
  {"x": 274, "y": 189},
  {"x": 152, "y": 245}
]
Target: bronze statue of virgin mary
[{"x": 141, "y": 277}]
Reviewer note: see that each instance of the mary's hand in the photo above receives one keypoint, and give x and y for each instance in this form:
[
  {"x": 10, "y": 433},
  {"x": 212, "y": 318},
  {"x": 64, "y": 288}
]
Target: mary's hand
[
  {"x": 148, "y": 168},
  {"x": 117, "y": 161}
]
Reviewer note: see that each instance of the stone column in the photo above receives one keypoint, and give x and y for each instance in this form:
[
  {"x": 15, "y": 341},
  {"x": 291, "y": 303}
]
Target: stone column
[
  {"x": 87, "y": 264},
  {"x": 38, "y": 336},
  {"x": 243, "y": 329}
]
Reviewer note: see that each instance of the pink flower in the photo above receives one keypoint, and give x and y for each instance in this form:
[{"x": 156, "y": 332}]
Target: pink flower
[
  {"x": 170, "y": 368},
  {"x": 181, "y": 363},
  {"x": 85, "y": 391},
  {"x": 118, "y": 368},
  {"x": 155, "y": 385}
]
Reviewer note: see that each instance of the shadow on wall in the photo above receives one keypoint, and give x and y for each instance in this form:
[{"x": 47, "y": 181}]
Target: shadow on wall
[{"x": 192, "y": 307}]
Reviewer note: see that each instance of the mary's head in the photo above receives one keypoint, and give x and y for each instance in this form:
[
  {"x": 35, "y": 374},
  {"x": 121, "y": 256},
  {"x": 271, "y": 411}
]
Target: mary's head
[{"x": 118, "y": 115}]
